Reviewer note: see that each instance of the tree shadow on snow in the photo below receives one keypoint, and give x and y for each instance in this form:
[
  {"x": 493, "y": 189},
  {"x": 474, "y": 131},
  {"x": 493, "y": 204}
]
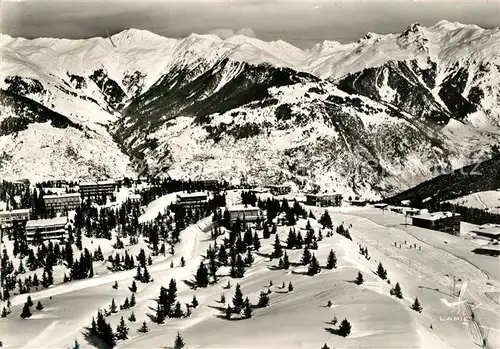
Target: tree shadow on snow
[
  {"x": 190, "y": 283},
  {"x": 219, "y": 308},
  {"x": 332, "y": 330},
  {"x": 299, "y": 272}
]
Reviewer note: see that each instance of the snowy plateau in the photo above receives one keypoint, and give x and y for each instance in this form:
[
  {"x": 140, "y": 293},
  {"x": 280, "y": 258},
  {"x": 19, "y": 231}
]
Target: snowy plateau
[{"x": 371, "y": 118}]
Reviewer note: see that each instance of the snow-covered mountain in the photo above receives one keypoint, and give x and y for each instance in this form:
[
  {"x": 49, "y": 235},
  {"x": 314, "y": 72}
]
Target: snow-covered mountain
[{"x": 375, "y": 116}]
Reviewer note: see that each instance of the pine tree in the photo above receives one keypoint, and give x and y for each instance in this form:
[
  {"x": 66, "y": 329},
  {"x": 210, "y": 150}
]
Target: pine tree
[
  {"x": 286, "y": 262},
  {"x": 381, "y": 272},
  {"x": 146, "y": 278},
  {"x": 39, "y": 306},
  {"x": 359, "y": 279},
  {"x": 306, "y": 257},
  {"x": 179, "y": 342},
  {"x": 344, "y": 328},
  {"x": 256, "y": 242},
  {"x": 278, "y": 249},
  {"x": 132, "y": 300},
  {"x": 133, "y": 288},
  {"x": 228, "y": 312},
  {"x": 132, "y": 318},
  {"x": 194, "y": 302},
  {"x": 29, "y": 302},
  {"x": 238, "y": 299},
  {"x": 178, "y": 313},
  {"x": 138, "y": 275},
  {"x": 201, "y": 276},
  {"x": 314, "y": 267},
  {"x": 290, "y": 287},
  {"x": 122, "y": 330},
  {"x": 144, "y": 328},
  {"x": 331, "y": 262},
  {"x": 326, "y": 220},
  {"x": 222, "y": 298},
  {"x": 26, "y": 313},
  {"x": 335, "y": 320},
  {"x": 416, "y": 305},
  {"x": 183, "y": 262},
  {"x": 247, "y": 309},
  {"x": 112, "y": 307},
  {"x": 329, "y": 304},
  {"x": 115, "y": 286},
  {"x": 396, "y": 291},
  {"x": 325, "y": 346},
  {"x": 5, "y": 312},
  {"x": 263, "y": 300}
]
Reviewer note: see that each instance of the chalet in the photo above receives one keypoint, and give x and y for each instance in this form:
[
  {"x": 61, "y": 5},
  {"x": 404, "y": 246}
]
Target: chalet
[
  {"x": 8, "y": 217},
  {"x": 68, "y": 201},
  {"x": 324, "y": 200},
  {"x": 492, "y": 249},
  {"x": 49, "y": 229},
  {"x": 381, "y": 206},
  {"x": 412, "y": 211},
  {"x": 490, "y": 232},
  {"x": 92, "y": 189},
  {"x": 246, "y": 213},
  {"x": 192, "y": 199},
  {"x": 358, "y": 202},
  {"x": 446, "y": 222},
  {"x": 279, "y": 189}
]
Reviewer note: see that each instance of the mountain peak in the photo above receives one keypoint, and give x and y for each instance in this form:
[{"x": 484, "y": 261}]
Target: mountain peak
[{"x": 412, "y": 28}]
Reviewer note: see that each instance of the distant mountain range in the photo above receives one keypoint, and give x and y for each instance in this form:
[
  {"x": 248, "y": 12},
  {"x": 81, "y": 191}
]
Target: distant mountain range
[{"x": 371, "y": 118}]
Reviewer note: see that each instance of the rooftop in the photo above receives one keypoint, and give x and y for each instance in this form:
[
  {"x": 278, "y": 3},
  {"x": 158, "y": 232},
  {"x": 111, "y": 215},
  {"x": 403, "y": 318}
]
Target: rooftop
[
  {"x": 21, "y": 210},
  {"x": 46, "y": 222},
  {"x": 235, "y": 208},
  {"x": 192, "y": 195},
  {"x": 324, "y": 194},
  {"x": 66, "y": 195},
  {"x": 436, "y": 215},
  {"x": 488, "y": 231},
  {"x": 96, "y": 183},
  {"x": 490, "y": 247}
]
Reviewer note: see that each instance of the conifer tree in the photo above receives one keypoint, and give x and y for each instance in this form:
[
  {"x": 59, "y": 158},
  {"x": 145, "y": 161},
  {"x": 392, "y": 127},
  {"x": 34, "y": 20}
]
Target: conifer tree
[
  {"x": 331, "y": 262},
  {"x": 115, "y": 285},
  {"x": 112, "y": 307},
  {"x": 138, "y": 275},
  {"x": 290, "y": 287},
  {"x": 132, "y": 300},
  {"x": 266, "y": 234},
  {"x": 396, "y": 291},
  {"x": 228, "y": 312},
  {"x": 416, "y": 305},
  {"x": 39, "y": 306},
  {"x": 359, "y": 279},
  {"x": 326, "y": 220},
  {"x": 194, "y": 302},
  {"x": 178, "y": 313},
  {"x": 146, "y": 278},
  {"x": 132, "y": 318},
  {"x": 26, "y": 313},
  {"x": 179, "y": 342},
  {"x": 5, "y": 312},
  {"x": 249, "y": 258},
  {"x": 29, "y": 302},
  {"x": 325, "y": 346},
  {"x": 286, "y": 261},
  {"x": 381, "y": 272},
  {"x": 144, "y": 328},
  {"x": 133, "y": 288},
  {"x": 238, "y": 299},
  {"x": 256, "y": 242},
  {"x": 222, "y": 299},
  {"x": 122, "y": 330},
  {"x": 201, "y": 276},
  {"x": 247, "y": 309},
  {"x": 183, "y": 262},
  {"x": 263, "y": 300},
  {"x": 306, "y": 257},
  {"x": 314, "y": 267},
  {"x": 278, "y": 250},
  {"x": 344, "y": 328}
]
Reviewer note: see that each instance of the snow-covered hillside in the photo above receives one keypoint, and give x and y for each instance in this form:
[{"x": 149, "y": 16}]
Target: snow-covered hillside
[
  {"x": 401, "y": 107},
  {"x": 485, "y": 200}
]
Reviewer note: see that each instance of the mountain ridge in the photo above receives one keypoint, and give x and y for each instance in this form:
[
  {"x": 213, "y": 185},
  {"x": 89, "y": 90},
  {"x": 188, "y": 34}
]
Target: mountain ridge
[{"x": 437, "y": 83}]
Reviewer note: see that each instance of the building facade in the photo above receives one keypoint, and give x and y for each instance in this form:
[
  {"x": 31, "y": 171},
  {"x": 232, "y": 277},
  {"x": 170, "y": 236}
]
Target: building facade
[
  {"x": 92, "y": 189},
  {"x": 324, "y": 200},
  {"x": 9, "y": 217},
  {"x": 192, "y": 199},
  {"x": 49, "y": 229},
  {"x": 280, "y": 189},
  {"x": 446, "y": 222},
  {"x": 244, "y": 213},
  {"x": 60, "y": 202}
]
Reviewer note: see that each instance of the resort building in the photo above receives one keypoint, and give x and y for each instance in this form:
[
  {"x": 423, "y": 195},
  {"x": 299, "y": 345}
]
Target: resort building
[
  {"x": 246, "y": 213},
  {"x": 97, "y": 188},
  {"x": 324, "y": 200},
  {"x": 279, "y": 189},
  {"x": 192, "y": 199},
  {"x": 8, "y": 217},
  {"x": 60, "y": 202},
  {"x": 488, "y": 231},
  {"x": 49, "y": 229},
  {"x": 446, "y": 222},
  {"x": 492, "y": 249}
]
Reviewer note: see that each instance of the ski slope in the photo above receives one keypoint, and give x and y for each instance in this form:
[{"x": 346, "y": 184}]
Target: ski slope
[{"x": 297, "y": 319}]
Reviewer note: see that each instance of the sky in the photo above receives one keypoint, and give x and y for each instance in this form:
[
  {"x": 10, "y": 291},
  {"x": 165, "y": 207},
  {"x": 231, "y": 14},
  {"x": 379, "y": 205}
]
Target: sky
[{"x": 302, "y": 23}]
